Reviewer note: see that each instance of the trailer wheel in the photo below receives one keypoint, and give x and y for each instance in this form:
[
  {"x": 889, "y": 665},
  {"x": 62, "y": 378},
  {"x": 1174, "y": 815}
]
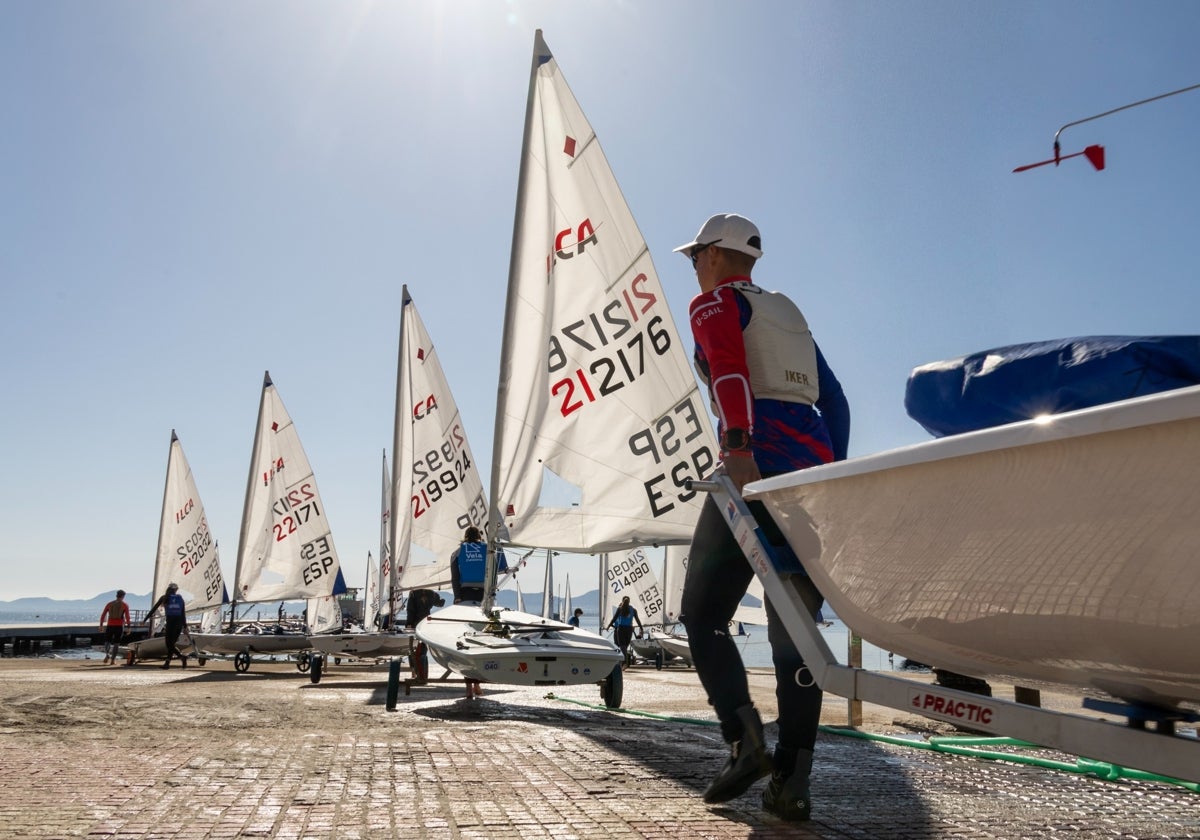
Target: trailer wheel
[
  {"x": 612, "y": 688},
  {"x": 241, "y": 662},
  {"x": 658, "y": 660},
  {"x": 317, "y": 666}
]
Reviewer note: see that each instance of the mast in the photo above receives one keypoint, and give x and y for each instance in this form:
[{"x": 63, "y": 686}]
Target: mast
[
  {"x": 541, "y": 54},
  {"x": 251, "y": 474}
]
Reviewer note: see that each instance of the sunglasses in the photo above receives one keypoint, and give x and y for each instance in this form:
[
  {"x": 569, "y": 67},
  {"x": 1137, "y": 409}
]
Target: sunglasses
[{"x": 695, "y": 255}]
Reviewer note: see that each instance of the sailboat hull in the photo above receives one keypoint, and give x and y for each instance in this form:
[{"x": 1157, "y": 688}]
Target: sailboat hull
[
  {"x": 229, "y": 644},
  {"x": 516, "y": 649},
  {"x": 363, "y": 645},
  {"x": 1061, "y": 551},
  {"x": 155, "y": 647}
]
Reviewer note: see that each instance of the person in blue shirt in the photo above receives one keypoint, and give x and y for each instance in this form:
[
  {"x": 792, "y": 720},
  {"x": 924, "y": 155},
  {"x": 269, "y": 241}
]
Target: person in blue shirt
[
  {"x": 623, "y": 618},
  {"x": 574, "y": 619},
  {"x": 176, "y": 615},
  {"x": 468, "y": 568}
]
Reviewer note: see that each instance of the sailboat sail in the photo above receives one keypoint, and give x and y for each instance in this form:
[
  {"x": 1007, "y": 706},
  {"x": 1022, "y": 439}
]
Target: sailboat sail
[
  {"x": 632, "y": 576},
  {"x": 387, "y": 605},
  {"x": 371, "y": 594},
  {"x": 595, "y": 391},
  {"x": 436, "y": 490},
  {"x": 187, "y": 554},
  {"x": 675, "y": 562},
  {"x": 286, "y": 550},
  {"x": 323, "y": 614},
  {"x": 548, "y": 587}
]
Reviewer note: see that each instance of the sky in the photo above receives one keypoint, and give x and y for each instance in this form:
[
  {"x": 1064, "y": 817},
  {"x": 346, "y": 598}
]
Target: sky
[{"x": 193, "y": 193}]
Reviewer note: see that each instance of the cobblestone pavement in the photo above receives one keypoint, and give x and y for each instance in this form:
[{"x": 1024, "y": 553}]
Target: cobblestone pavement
[{"x": 89, "y": 751}]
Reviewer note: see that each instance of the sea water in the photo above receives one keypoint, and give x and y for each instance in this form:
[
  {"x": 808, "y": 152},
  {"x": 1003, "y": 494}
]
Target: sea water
[{"x": 755, "y": 649}]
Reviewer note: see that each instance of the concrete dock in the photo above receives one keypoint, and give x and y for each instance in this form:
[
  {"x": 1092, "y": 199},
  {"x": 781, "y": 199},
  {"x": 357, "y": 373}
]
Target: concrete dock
[{"x": 88, "y": 750}]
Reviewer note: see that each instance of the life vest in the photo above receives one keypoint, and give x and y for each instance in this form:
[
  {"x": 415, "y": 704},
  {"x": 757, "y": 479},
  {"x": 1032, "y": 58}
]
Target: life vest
[
  {"x": 780, "y": 352},
  {"x": 472, "y": 564},
  {"x": 173, "y": 606}
]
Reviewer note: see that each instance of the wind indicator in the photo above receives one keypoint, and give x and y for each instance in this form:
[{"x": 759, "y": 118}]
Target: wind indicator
[{"x": 1095, "y": 154}]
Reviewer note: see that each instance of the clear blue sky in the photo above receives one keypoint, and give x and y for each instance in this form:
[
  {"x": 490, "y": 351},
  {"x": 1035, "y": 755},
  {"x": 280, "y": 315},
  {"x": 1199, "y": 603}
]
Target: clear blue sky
[{"x": 192, "y": 193}]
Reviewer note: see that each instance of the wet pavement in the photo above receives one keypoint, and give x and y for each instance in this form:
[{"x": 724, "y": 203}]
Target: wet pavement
[{"x": 89, "y": 751}]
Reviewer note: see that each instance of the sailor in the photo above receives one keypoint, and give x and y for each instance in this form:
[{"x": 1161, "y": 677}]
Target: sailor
[
  {"x": 114, "y": 620},
  {"x": 468, "y": 568},
  {"x": 176, "y": 614},
  {"x": 780, "y": 408}
]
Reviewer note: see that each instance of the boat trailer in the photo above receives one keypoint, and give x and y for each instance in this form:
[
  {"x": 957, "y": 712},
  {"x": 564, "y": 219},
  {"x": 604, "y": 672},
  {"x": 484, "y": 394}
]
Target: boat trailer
[{"x": 1132, "y": 744}]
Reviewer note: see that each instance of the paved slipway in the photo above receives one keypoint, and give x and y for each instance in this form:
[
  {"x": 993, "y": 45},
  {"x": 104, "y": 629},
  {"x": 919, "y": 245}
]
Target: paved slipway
[{"x": 138, "y": 752}]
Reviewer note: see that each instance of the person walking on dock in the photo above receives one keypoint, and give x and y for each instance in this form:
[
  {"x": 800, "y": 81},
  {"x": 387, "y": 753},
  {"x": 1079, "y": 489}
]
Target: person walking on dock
[
  {"x": 623, "y": 618},
  {"x": 114, "y": 621},
  {"x": 176, "y": 615},
  {"x": 780, "y": 409}
]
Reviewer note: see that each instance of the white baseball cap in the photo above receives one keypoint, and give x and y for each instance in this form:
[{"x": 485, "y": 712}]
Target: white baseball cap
[{"x": 727, "y": 230}]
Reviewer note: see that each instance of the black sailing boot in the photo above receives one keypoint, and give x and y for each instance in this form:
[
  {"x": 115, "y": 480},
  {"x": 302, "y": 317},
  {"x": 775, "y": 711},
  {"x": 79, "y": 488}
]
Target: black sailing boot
[
  {"x": 786, "y": 795},
  {"x": 748, "y": 761}
]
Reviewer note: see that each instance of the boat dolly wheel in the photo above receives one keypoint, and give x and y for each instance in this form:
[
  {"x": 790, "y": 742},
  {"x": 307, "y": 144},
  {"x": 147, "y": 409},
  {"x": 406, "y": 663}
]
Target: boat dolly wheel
[
  {"x": 303, "y": 661},
  {"x": 241, "y": 661},
  {"x": 318, "y": 665},
  {"x": 612, "y": 687}
]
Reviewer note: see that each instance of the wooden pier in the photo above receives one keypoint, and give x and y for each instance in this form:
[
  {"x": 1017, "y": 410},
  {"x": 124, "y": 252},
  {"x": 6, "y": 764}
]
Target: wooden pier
[{"x": 25, "y": 639}]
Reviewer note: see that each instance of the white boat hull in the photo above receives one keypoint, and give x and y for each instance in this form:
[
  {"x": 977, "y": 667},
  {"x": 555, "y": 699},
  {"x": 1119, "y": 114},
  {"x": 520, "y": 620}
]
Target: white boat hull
[
  {"x": 363, "y": 645},
  {"x": 229, "y": 644},
  {"x": 671, "y": 645},
  {"x": 1062, "y": 551},
  {"x": 676, "y": 646},
  {"x": 522, "y": 649},
  {"x": 155, "y": 647}
]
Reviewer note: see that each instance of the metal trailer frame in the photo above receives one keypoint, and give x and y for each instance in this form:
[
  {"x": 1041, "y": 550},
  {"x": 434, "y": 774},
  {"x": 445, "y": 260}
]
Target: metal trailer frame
[{"x": 1159, "y": 750}]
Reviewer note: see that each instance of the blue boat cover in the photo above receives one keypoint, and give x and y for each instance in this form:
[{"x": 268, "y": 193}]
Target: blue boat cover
[{"x": 1023, "y": 381}]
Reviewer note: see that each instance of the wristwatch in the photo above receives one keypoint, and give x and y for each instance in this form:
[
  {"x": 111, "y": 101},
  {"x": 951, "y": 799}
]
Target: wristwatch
[{"x": 735, "y": 440}]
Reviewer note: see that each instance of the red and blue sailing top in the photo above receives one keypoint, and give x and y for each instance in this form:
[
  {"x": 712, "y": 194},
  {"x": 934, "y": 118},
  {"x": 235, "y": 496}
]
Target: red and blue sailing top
[{"x": 766, "y": 374}]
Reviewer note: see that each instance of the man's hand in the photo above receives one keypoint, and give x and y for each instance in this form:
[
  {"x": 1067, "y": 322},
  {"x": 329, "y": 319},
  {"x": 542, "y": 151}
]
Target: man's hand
[{"x": 741, "y": 469}]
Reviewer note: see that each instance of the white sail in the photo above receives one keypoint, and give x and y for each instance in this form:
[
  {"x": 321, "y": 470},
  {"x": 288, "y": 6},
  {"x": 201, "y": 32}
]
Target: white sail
[
  {"x": 436, "y": 491},
  {"x": 548, "y": 587},
  {"x": 286, "y": 550},
  {"x": 675, "y": 562},
  {"x": 371, "y": 594},
  {"x": 752, "y": 613},
  {"x": 187, "y": 554},
  {"x": 595, "y": 392},
  {"x": 608, "y": 602},
  {"x": 633, "y": 576},
  {"x": 565, "y": 613},
  {"x": 387, "y": 603},
  {"x": 324, "y": 614}
]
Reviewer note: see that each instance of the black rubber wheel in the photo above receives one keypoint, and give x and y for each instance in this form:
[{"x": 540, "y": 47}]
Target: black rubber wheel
[
  {"x": 658, "y": 660},
  {"x": 241, "y": 662},
  {"x": 303, "y": 661},
  {"x": 318, "y": 663},
  {"x": 613, "y": 687},
  {"x": 201, "y": 660},
  {"x": 337, "y": 660}
]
